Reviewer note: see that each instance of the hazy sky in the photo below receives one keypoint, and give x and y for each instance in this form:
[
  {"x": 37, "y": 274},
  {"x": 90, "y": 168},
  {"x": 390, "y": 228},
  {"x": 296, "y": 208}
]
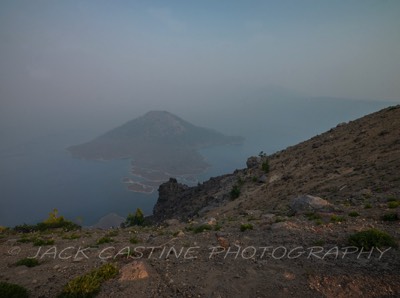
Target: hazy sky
[{"x": 74, "y": 62}]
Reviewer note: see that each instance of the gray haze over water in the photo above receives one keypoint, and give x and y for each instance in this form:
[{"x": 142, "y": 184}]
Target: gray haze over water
[{"x": 275, "y": 72}]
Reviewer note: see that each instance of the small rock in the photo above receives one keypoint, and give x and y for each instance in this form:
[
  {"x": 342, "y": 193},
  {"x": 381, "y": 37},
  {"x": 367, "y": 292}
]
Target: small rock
[
  {"x": 180, "y": 234},
  {"x": 279, "y": 226},
  {"x": 172, "y": 222},
  {"x": 268, "y": 218},
  {"x": 309, "y": 203},
  {"x": 134, "y": 271},
  {"x": 222, "y": 241},
  {"x": 254, "y": 212},
  {"x": 263, "y": 179},
  {"x": 274, "y": 178},
  {"x": 212, "y": 221}
]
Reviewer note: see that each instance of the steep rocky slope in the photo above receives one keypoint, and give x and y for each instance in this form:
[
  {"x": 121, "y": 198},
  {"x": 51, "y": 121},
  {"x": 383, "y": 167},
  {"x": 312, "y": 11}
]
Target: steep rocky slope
[{"x": 354, "y": 164}]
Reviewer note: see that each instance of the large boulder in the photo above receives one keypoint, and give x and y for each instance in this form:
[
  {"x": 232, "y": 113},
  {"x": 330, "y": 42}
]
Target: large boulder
[
  {"x": 308, "y": 203},
  {"x": 253, "y": 162}
]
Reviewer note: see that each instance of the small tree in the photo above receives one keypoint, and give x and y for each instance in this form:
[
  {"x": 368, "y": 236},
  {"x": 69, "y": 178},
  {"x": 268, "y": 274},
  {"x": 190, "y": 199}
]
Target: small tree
[
  {"x": 54, "y": 218},
  {"x": 135, "y": 220},
  {"x": 265, "y": 166},
  {"x": 235, "y": 192}
]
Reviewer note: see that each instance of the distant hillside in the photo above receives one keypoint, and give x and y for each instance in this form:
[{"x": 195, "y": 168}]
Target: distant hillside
[{"x": 160, "y": 145}]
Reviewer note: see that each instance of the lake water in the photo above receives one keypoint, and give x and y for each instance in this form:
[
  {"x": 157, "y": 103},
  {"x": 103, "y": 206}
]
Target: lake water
[{"x": 40, "y": 176}]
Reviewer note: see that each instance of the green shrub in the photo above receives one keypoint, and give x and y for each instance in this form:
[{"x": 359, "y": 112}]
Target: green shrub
[
  {"x": 28, "y": 262},
  {"x": 240, "y": 182},
  {"x": 391, "y": 199},
  {"x": 202, "y": 228},
  {"x": 217, "y": 227},
  {"x": 71, "y": 236},
  {"x": 10, "y": 290},
  {"x": 393, "y": 204},
  {"x": 312, "y": 215},
  {"x": 318, "y": 222},
  {"x": 337, "y": 218},
  {"x": 245, "y": 227},
  {"x": 265, "y": 166},
  {"x": 25, "y": 239},
  {"x": 235, "y": 192},
  {"x": 104, "y": 239},
  {"x": 135, "y": 220},
  {"x": 280, "y": 219},
  {"x": 367, "y": 206},
  {"x": 134, "y": 240},
  {"x": 66, "y": 225},
  {"x": 372, "y": 238},
  {"x": 89, "y": 284},
  {"x": 113, "y": 233},
  {"x": 354, "y": 214},
  {"x": 390, "y": 217},
  {"x": 24, "y": 228},
  {"x": 52, "y": 222},
  {"x": 42, "y": 242}
]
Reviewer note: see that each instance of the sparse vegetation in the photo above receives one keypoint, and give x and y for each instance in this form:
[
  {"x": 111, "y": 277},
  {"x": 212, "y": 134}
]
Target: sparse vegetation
[
  {"x": 217, "y": 227},
  {"x": 367, "y": 206},
  {"x": 245, "y": 227},
  {"x": 318, "y": 222},
  {"x": 390, "y": 217},
  {"x": 25, "y": 239},
  {"x": 279, "y": 219},
  {"x": 337, "y": 218},
  {"x": 89, "y": 284},
  {"x": 393, "y": 204},
  {"x": 54, "y": 221},
  {"x": 354, "y": 214},
  {"x": 10, "y": 290},
  {"x": 43, "y": 242},
  {"x": 104, "y": 239},
  {"x": 391, "y": 198},
  {"x": 265, "y": 166},
  {"x": 202, "y": 228},
  {"x": 135, "y": 220},
  {"x": 112, "y": 233},
  {"x": 28, "y": 262},
  {"x": 312, "y": 216},
  {"x": 235, "y": 192},
  {"x": 71, "y": 236},
  {"x": 372, "y": 238},
  {"x": 134, "y": 240}
]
